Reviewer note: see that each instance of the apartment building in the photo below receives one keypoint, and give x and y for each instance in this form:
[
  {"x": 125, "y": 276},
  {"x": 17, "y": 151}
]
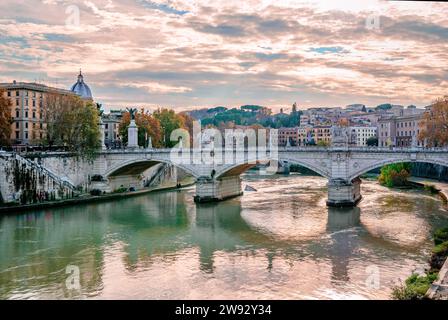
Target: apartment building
[
  {"x": 27, "y": 109},
  {"x": 361, "y": 134}
]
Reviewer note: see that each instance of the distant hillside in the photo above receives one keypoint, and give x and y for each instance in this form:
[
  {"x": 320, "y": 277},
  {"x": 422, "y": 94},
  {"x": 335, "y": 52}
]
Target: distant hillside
[{"x": 245, "y": 115}]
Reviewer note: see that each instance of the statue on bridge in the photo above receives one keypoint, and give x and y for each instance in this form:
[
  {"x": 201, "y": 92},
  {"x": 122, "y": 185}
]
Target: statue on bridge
[
  {"x": 132, "y": 112},
  {"x": 340, "y": 136}
]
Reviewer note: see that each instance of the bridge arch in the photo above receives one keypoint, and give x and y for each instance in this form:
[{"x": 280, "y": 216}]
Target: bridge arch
[
  {"x": 239, "y": 168},
  {"x": 371, "y": 166},
  {"x": 138, "y": 166}
]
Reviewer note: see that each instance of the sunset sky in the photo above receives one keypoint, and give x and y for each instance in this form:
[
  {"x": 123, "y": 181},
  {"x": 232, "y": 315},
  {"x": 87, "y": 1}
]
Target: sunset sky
[{"x": 191, "y": 53}]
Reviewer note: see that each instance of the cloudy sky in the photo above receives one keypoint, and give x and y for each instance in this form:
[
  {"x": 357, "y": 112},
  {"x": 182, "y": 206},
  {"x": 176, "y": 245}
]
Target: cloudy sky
[{"x": 200, "y": 53}]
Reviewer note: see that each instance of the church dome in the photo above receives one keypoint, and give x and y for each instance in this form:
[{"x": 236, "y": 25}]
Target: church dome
[{"x": 81, "y": 88}]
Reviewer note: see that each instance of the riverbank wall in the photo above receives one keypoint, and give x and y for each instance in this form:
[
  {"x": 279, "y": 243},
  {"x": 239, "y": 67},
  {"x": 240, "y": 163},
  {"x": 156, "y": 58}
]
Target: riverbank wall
[{"x": 86, "y": 198}]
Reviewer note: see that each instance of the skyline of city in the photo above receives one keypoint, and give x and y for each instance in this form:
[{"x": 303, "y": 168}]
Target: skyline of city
[{"x": 186, "y": 55}]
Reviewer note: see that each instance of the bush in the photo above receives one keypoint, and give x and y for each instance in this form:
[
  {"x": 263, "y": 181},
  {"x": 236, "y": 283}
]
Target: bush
[
  {"x": 96, "y": 192},
  {"x": 440, "y": 236},
  {"x": 415, "y": 287},
  {"x": 431, "y": 188},
  {"x": 441, "y": 249},
  {"x": 120, "y": 190},
  {"x": 395, "y": 175}
]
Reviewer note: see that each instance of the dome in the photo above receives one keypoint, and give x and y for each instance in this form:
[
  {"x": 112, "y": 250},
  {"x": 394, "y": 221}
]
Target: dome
[{"x": 81, "y": 88}]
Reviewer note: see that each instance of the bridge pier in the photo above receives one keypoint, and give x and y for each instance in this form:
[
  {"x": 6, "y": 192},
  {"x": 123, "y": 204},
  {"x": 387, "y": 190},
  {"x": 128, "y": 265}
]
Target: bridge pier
[
  {"x": 342, "y": 193},
  {"x": 210, "y": 190}
]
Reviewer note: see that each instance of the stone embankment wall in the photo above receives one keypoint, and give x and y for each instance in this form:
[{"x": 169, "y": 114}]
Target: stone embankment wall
[{"x": 43, "y": 177}]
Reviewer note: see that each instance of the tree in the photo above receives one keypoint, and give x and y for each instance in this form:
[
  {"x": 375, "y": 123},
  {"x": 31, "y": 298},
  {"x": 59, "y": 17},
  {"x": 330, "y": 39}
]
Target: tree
[
  {"x": 148, "y": 126},
  {"x": 434, "y": 125},
  {"x": 5, "y": 119},
  {"x": 395, "y": 175},
  {"x": 72, "y": 123},
  {"x": 187, "y": 123},
  {"x": 372, "y": 142},
  {"x": 169, "y": 122}
]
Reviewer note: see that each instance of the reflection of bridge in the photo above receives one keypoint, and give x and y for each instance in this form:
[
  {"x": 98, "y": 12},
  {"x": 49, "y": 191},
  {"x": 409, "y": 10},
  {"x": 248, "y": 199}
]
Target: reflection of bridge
[{"x": 218, "y": 175}]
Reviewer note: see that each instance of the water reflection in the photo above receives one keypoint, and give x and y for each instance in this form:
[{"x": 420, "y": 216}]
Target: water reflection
[{"x": 279, "y": 242}]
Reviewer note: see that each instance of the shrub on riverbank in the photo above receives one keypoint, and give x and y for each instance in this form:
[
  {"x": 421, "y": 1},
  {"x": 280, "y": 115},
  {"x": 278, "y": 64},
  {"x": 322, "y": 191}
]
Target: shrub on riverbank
[
  {"x": 431, "y": 188},
  {"x": 440, "y": 236},
  {"x": 395, "y": 175},
  {"x": 415, "y": 287}
]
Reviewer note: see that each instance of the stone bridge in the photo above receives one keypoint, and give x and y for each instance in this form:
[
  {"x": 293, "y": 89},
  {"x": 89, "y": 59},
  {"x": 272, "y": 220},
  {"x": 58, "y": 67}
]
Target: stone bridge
[{"x": 218, "y": 173}]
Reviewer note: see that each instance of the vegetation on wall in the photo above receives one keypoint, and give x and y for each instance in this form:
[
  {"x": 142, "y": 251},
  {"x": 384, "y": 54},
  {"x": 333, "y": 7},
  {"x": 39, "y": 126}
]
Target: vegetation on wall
[{"x": 416, "y": 286}]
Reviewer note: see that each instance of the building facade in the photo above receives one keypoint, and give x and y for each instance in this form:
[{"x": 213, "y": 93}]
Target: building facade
[
  {"x": 28, "y": 104},
  {"x": 27, "y": 110},
  {"x": 111, "y": 122},
  {"x": 362, "y": 134},
  {"x": 401, "y": 131}
]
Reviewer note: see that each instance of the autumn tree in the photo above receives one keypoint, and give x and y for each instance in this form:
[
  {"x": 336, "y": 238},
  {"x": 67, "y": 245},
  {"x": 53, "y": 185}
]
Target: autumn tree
[
  {"x": 148, "y": 126},
  {"x": 72, "y": 123},
  {"x": 169, "y": 122},
  {"x": 5, "y": 118},
  {"x": 187, "y": 124},
  {"x": 434, "y": 125}
]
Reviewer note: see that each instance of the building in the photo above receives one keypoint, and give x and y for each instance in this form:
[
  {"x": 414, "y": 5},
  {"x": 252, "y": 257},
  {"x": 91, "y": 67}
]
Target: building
[
  {"x": 111, "y": 122},
  {"x": 401, "y": 131},
  {"x": 82, "y": 89},
  {"x": 288, "y": 134},
  {"x": 27, "y": 110},
  {"x": 28, "y": 104},
  {"x": 322, "y": 134},
  {"x": 361, "y": 134},
  {"x": 306, "y": 135}
]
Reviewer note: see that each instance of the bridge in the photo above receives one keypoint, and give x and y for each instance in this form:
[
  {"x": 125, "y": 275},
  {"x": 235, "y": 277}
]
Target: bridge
[
  {"x": 217, "y": 174},
  {"x": 218, "y": 179}
]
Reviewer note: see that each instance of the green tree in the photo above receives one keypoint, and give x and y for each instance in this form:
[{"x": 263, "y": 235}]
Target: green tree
[
  {"x": 5, "y": 119},
  {"x": 395, "y": 175},
  {"x": 372, "y": 142},
  {"x": 73, "y": 123},
  {"x": 169, "y": 121}
]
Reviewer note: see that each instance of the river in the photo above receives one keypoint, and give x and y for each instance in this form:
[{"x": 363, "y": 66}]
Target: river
[{"x": 279, "y": 242}]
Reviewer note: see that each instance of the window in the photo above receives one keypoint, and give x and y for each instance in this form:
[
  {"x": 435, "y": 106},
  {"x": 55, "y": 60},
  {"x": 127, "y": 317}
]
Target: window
[
  {"x": 17, "y": 134},
  {"x": 26, "y": 125},
  {"x": 41, "y": 125},
  {"x": 17, "y": 113},
  {"x": 34, "y": 94},
  {"x": 17, "y": 125},
  {"x": 9, "y": 93},
  {"x": 26, "y": 102},
  {"x": 34, "y": 103},
  {"x": 34, "y": 115},
  {"x": 26, "y": 114},
  {"x": 26, "y": 135},
  {"x": 26, "y": 93},
  {"x": 17, "y": 102},
  {"x": 17, "y": 93}
]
